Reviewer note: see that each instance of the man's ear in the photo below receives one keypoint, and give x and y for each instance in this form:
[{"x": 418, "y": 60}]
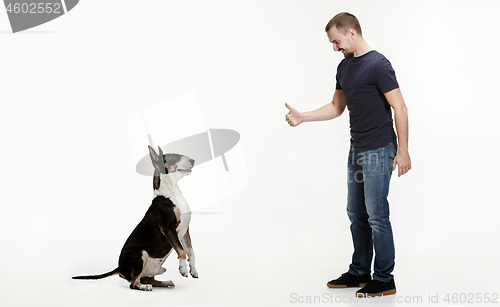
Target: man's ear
[{"x": 352, "y": 33}]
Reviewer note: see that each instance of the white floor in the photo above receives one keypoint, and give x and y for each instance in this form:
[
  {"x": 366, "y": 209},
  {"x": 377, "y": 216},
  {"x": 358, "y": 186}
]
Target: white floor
[{"x": 241, "y": 264}]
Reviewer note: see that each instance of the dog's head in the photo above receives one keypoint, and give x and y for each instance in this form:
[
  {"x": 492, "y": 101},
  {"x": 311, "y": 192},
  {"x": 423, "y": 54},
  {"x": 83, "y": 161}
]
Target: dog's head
[{"x": 170, "y": 163}]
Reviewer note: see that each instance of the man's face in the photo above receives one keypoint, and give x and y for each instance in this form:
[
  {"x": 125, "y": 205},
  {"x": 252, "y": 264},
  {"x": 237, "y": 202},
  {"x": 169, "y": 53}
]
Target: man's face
[{"x": 341, "y": 42}]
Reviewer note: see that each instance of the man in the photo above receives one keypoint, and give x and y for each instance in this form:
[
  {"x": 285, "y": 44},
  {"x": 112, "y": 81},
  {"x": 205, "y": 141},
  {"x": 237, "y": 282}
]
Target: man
[{"x": 367, "y": 85}]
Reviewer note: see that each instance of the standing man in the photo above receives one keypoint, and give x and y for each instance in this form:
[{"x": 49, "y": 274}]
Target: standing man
[{"x": 367, "y": 85}]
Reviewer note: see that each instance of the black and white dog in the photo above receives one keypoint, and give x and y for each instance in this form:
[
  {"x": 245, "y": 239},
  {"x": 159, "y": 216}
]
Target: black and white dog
[{"x": 164, "y": 227}]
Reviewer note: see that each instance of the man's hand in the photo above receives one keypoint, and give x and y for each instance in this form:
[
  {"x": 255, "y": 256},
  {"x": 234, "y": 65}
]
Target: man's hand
[
  {"x": 293, "y": 117},
  {"x": 403, "y": 161}
]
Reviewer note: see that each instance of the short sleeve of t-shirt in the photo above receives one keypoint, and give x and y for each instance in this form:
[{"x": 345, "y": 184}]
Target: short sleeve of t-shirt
[
  {"x": 338, "y": 86},
  {"x": 385, "y": 76}
]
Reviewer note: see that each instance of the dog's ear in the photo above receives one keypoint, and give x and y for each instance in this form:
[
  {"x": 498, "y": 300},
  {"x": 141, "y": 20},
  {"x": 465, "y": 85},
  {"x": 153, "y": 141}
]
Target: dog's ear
[
  {"x": 160, "y": 151},
  {"x": 154, "y": 157},
  {"x": 163, "y": 164},
  {"x": 157, "y": 160}
]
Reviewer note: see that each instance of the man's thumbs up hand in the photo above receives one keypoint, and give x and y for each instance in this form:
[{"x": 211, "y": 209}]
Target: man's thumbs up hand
[{"x": 293, "y": 118}]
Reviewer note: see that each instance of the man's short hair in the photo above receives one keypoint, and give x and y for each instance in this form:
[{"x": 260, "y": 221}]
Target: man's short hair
[{"x": 343, "y": 22}]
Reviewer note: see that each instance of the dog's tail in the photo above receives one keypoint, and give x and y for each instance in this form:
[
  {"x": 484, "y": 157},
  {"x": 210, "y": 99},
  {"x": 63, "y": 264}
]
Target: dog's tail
[{"x": 115, "y": 271}]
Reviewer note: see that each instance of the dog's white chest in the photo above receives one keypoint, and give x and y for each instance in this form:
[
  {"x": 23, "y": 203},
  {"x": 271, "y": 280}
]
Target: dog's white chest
[
  {"x": 181, "y": 204},
  {"x": 170, "y": 189},
  {"x": 183, "y": 225}
]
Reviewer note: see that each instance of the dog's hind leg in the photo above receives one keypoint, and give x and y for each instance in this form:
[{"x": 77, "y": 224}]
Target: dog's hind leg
[
  {"x": 136, "y": 280},
  {"x": 186, "y": 242},
  {"x": 156, "y": 283}
]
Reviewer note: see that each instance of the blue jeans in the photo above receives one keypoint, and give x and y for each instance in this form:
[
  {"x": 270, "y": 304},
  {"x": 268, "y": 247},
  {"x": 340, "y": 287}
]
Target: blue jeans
[{"x": 369, "y": 174}]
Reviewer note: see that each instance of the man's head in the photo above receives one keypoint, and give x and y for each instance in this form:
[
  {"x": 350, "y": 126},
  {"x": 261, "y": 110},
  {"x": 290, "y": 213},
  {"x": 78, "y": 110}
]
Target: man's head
[{"x": 343, "y": 31}]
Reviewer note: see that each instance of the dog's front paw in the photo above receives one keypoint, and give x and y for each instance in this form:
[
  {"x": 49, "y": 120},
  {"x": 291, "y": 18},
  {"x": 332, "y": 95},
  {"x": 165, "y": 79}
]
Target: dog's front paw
[
  {"x": 183, "y": 271},
  {"x": 192, "y": 266},
  {"x": 146, "y": 287},
  {"x": 194, "y": 273},
  {"x": 183, "y": 267}
]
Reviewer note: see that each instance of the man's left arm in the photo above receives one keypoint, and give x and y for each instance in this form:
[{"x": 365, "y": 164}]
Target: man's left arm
[{"x": 402, "y": 159}]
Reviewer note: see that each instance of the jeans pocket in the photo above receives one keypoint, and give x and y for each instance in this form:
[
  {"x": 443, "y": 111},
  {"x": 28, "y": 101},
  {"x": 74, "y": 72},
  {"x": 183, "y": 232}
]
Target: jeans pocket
[{"x": 392, "y": 151}]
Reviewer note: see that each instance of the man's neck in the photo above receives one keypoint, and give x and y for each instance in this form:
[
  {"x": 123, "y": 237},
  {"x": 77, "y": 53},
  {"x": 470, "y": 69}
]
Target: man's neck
[{"x": 362, "y": 47}]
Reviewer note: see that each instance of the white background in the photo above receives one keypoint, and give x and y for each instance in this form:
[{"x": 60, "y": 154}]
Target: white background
[{"x": 70, "y": 195}]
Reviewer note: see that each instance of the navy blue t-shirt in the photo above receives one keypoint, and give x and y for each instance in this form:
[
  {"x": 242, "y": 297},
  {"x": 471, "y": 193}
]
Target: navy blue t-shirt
[{"x": 364, "y": 80}]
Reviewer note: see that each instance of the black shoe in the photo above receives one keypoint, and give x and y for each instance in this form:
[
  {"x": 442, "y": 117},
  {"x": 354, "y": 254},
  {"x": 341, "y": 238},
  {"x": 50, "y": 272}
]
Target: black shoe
[
  {"x": 377, "y": 288},
  {"x": 347, "y": 280}
]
